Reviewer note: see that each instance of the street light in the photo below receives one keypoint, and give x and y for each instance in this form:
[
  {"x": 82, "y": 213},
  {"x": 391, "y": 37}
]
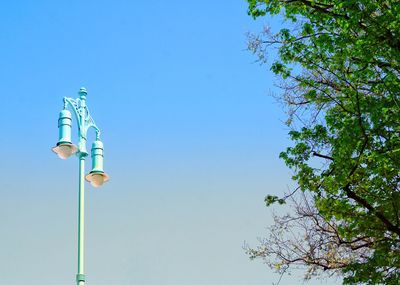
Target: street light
[{"x": 65, "y": 148}]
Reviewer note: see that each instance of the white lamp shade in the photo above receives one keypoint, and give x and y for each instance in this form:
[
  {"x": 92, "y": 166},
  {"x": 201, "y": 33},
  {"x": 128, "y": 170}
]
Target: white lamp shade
[
  {"x": 64, "y": 150},
  {"x": 97, "y": 179}
]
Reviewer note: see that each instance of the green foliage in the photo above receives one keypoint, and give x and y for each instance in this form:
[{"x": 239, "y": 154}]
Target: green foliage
[
  {"x": 270, "y": 199},
  {"x": 346, "y": 95}
]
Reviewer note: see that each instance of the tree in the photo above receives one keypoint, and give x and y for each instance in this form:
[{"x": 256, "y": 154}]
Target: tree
[{"x": 339, "y": 61}]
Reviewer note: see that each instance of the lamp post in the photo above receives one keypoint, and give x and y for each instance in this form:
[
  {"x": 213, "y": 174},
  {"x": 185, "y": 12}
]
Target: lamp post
[{"x": 65, "y": 149}]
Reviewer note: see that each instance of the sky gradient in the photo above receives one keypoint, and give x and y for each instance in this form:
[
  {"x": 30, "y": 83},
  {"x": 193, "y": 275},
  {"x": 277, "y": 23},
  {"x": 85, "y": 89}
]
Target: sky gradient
[{"x": 191, "y": 140}]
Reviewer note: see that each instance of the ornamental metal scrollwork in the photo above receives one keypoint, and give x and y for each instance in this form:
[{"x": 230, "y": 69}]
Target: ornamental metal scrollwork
[{"x": 82, "y": 112}]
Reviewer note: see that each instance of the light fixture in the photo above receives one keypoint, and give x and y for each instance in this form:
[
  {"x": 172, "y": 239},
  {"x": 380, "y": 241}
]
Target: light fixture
[
  {"x": 97, "y": 176},
  {"x": 64, "y": 147}
]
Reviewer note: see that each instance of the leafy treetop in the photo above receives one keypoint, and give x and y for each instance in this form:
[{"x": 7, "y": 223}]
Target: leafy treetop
[{"x": 340, "y": 66}]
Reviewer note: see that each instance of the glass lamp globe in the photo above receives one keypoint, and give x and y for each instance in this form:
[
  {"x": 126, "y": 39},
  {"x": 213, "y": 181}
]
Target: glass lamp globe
[
  {"x": 97, "y": 179},
  {"x": 65, "y": 150}
]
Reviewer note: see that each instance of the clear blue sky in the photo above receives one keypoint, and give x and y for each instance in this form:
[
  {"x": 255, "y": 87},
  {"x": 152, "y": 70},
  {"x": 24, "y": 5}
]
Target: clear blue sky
[{"x": 191, "y": 143}]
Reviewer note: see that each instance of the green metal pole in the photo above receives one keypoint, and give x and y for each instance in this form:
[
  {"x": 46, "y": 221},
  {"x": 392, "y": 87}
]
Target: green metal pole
[{"x": 80, "y": 277}]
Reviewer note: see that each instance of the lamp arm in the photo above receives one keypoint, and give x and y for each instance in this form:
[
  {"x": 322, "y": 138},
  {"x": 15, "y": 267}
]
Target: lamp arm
[
  {"x": 82, "y": 115},
  {"x": 74, "y": 103},
  {"x": 89, "y": 123}
]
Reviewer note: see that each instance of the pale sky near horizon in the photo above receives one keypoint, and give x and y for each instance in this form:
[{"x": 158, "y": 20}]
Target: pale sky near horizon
[{"x": 191, "y": 143}]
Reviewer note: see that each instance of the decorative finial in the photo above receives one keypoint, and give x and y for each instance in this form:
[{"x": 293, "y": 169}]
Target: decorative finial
[{"x": 82, "y": 92}]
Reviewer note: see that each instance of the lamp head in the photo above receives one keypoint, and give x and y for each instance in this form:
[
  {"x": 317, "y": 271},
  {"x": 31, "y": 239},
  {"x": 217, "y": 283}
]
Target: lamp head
[
  {"x": 97, "y": 176},
  {"x": 64, "y": 147}
]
